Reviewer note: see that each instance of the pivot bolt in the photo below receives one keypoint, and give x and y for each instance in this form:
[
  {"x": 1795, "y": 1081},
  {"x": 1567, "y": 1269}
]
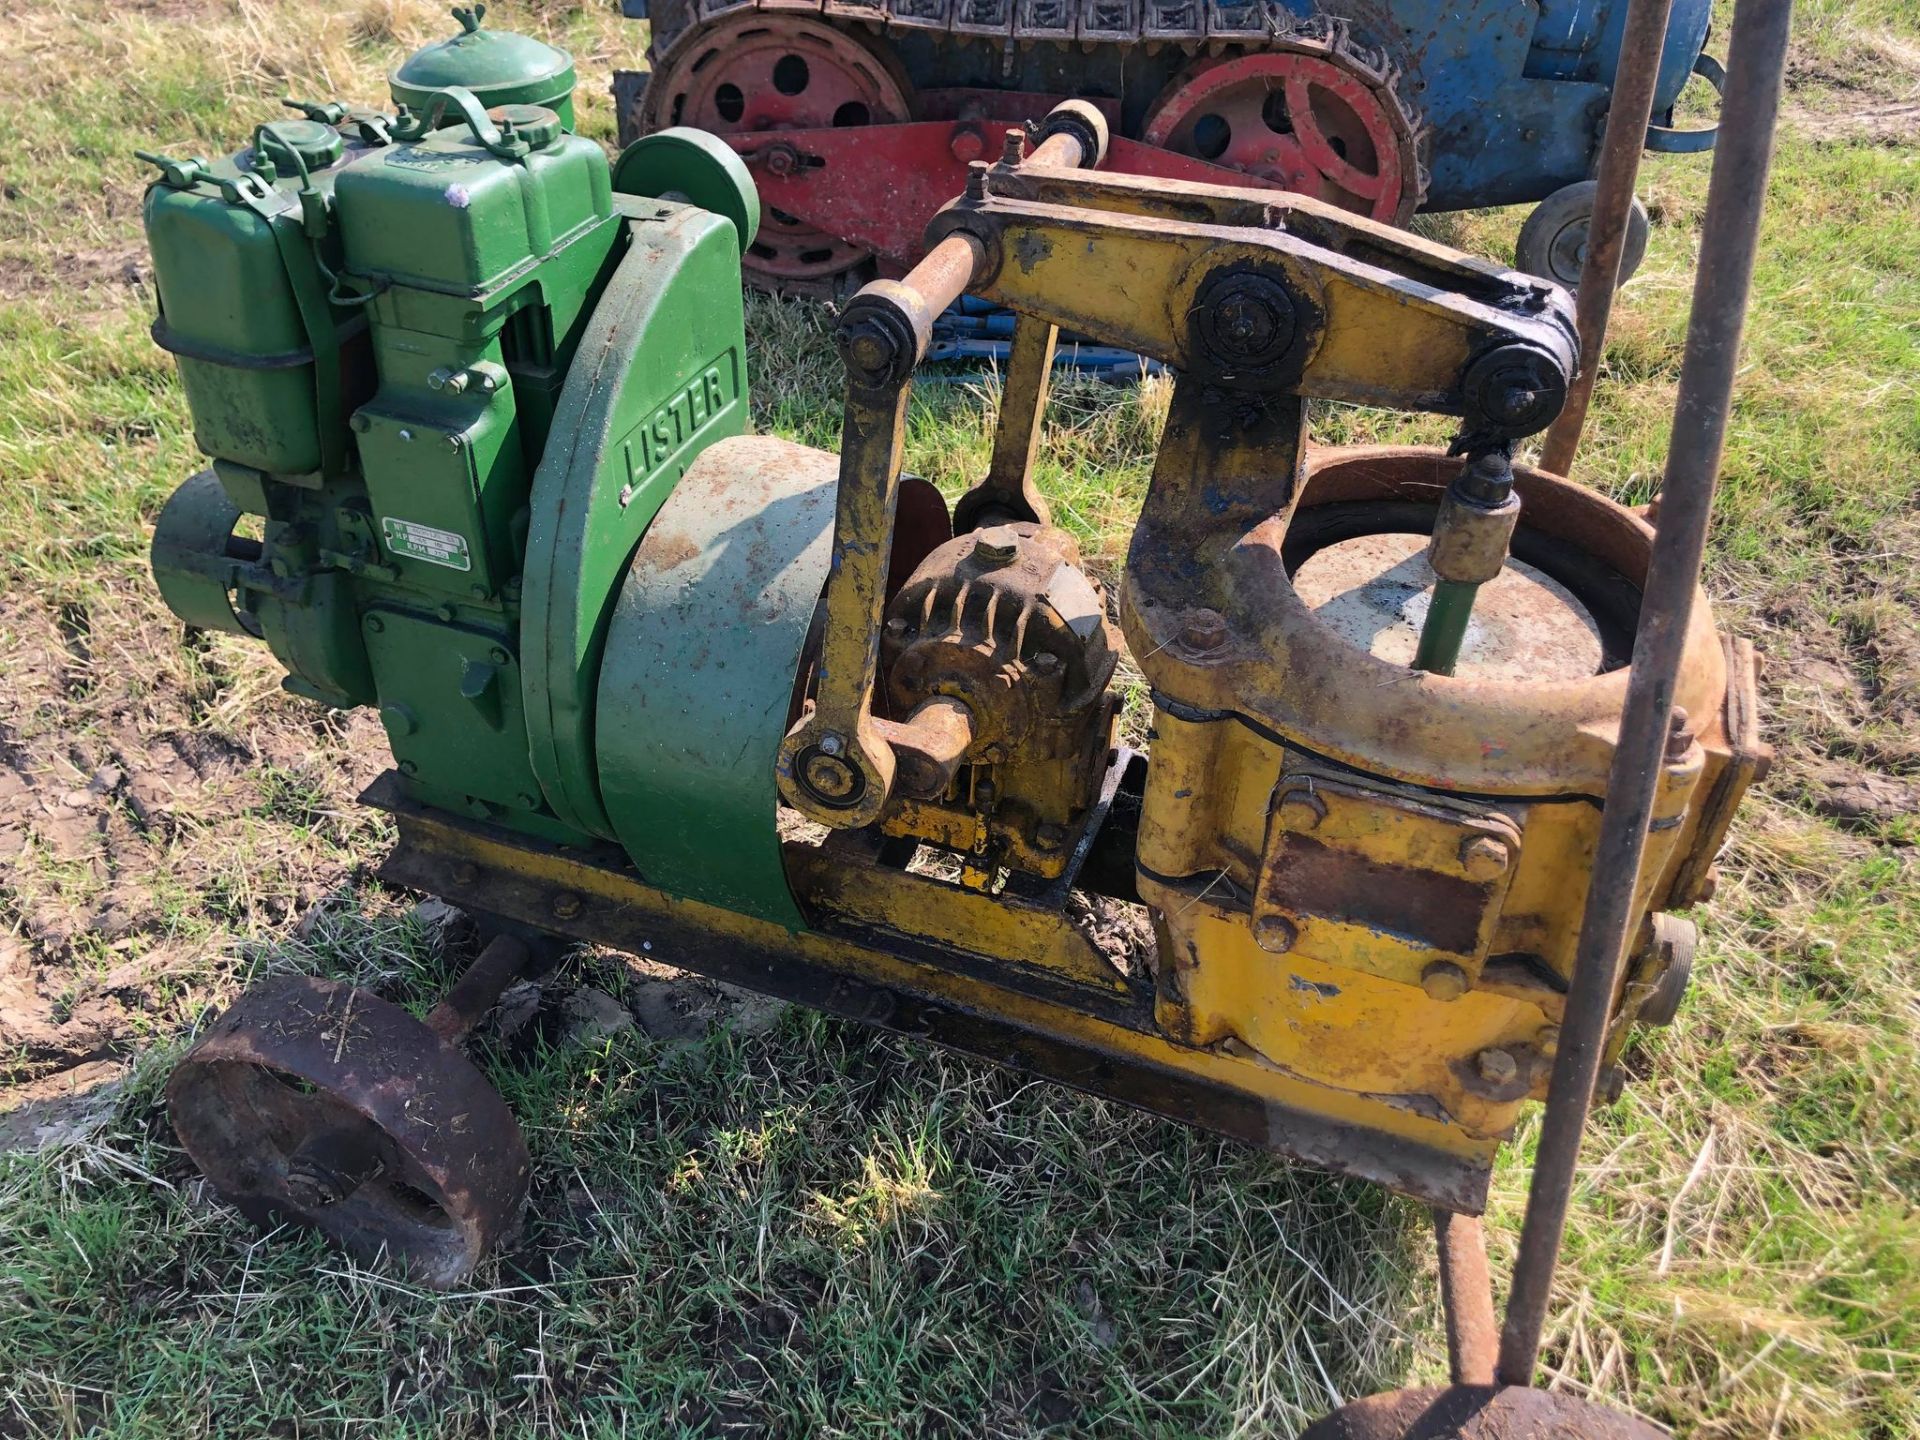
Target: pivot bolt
[
  {"x": 1483, "y": 858},
  {"x": 566, "y": 905},
  {"x": 1496, "y": 1067},
  {"x": 1444, "y": 980},
  {"x": 829, "y": 778},
  {"x": 1203, "y": 630},
  {"x": 1275, "y": 934}
]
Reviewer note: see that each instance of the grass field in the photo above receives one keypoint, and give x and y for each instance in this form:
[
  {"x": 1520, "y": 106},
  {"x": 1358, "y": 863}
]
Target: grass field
[{"x": 756, "y": 1221}]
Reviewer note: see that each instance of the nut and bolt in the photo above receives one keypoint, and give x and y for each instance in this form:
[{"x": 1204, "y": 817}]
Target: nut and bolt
[
  {"x": 966, "y": 145},
  {"x": 499, "y": 656},
  {"x": 1045, "y": 663},
  {"x": 831, "y": 744},
  {"x": 465, "y": 873},
  {"x": 898, "y": 628},
  {"x": 1203, "y": 630},
  {"x": 1496, "y": 1067},
  {"x": 977, "y": 183},
  {"x": 1013, "y": 147},
  {"x": 1547, "y": 1042},
  {"x": 1679, "y": 736},
  {"x": 1444, "y": 980},
  {"x": 407, "y": 767},
  {"x": 781, "y": 159},
  {"x": 1275, "y": 934},
  {"x": 376, "y": 624},
  {"x": 829, "y": 778},
  {"x": 566, "y": 905},
  {"x": 996, "y": 546},
  {"x": 1483, "y": 858},
  {"x": 1049, "y": 837}
]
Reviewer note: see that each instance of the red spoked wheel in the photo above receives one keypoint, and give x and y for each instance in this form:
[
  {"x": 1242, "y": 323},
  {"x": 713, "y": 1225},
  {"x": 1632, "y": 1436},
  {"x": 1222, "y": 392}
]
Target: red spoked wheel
[
  {"x": 759, "y": 72},
  {"x": 1300, "y": 121}
]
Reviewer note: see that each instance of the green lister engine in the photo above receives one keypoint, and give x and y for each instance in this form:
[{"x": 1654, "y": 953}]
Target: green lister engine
[{"x": 453, "y": 362}]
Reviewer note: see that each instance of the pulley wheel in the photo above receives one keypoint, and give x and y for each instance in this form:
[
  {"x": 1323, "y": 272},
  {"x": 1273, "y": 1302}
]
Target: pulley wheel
[
  {"x": 1374, "y": 591},
  {"x": 684, "y": 164},
  {"x": 1300, "y": 121},
  {"x": 756, "y": 72},
  {"x": 320, "y": 1105},
  {"x": 1478, "y": 1412}
]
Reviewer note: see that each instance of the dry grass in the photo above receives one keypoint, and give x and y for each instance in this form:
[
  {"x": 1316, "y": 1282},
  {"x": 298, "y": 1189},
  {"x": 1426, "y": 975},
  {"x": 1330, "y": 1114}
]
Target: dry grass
[{"x": 812, "y": 1230}]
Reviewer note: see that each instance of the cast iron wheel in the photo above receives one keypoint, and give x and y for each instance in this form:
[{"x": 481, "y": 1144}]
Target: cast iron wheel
[
  {"x": 1553, "y": 242},
  {"x": 757, "y": 72},
  {"x": 316, "y": 1104},
  {"x": 1301, "y": 122}
]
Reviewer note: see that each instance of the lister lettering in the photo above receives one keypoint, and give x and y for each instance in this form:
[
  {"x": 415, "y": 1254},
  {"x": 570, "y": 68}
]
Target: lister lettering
[{"x": 667, "y": 431}]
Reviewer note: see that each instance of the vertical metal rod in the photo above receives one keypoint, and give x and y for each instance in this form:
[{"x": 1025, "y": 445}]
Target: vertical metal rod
[
  {"x": 1729, "y": 238},
  {"x": 1445, "y": 627},
  {"x": 1628, "y": 113},
  {"x": 1466, "y": 1296}
]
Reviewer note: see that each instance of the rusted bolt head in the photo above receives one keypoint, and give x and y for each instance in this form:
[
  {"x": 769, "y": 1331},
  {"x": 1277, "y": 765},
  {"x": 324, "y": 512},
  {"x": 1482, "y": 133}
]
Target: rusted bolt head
[
  {"x": 1547, "y": 1042},
  {"x": 996, "y": 545},
  {"x": 977, "y": 183},
  {"x": 898, "y": 628},
  {"x": 1045, "y": 663},
  {"x": 1013, "y": 147},
  {"x": 1203, "y": 630},
  {"x": 1049, "y": 837},
  {"x": 566, "y": 905},
  {"x": 781, "y": 159},
  {"x": 1302, "y": 810},
  {"x": 1274, "y": 934},
  {"x": 1496, "y": 1067},
  {"x": 1679, "y": 736},
  {"x": 966, "y": 145},
  {"x": 829, "y": 777},
  {"x": 1444, "y": 980},
  {"x": 1483, "y": 858}
]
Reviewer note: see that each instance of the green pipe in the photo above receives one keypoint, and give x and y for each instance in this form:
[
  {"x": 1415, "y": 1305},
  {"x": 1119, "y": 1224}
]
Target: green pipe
[{"x": 1446, "y": 626}]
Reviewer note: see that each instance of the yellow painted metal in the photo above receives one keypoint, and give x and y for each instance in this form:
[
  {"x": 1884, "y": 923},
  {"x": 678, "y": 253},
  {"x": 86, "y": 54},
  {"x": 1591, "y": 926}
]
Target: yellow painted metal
[{"x": 861, "y": 909}]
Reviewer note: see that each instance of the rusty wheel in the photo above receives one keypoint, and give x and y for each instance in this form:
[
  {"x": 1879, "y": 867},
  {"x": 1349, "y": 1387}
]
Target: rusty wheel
[
  {"x": 755, "y": 72},
  {"x": 1478, "y": 1412},
  {"x": 317, "y": 1104},
  {"x": 1300, "y": 121}
]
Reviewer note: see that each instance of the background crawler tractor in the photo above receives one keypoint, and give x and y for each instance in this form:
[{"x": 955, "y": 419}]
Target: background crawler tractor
[{"x": 858, "y": 117}]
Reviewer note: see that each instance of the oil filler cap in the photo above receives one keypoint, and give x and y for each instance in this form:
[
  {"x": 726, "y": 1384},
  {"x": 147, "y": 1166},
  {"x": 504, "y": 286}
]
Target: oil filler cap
[
  {"x": 535, "y": 124},
  {"x": 317, "y": 145}
]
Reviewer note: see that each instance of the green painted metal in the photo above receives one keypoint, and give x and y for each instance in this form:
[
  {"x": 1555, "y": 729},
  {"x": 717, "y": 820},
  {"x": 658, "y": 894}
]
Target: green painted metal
[
  {"x": 662, "y": 376},
  {"x": 379, "y": 323},
  {"x": 1445, "y": 627},
  {"x": 498, "y": 66},
  {"x": 699, "y": 678},
  {"x": 692, "y": 167}
]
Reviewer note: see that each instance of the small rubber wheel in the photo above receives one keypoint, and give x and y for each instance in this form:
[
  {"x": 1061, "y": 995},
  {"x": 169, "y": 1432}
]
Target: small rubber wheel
[
  {"x": 1553, "y": 242},
  {"x": 319, "y": 1105}
]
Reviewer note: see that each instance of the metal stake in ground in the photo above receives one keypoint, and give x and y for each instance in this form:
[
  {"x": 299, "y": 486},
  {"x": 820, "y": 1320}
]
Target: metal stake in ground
[
  {"x": 1627, "y": 118},
  {"x": 1729, "y": 236}
]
